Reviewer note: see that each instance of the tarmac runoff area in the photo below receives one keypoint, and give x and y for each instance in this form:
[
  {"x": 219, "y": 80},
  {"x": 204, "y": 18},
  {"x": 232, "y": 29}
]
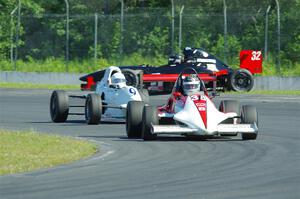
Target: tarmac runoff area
[{"x": 170, "y": 167}]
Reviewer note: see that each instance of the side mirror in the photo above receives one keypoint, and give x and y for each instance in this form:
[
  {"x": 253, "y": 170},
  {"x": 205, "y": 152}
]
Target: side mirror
[{"x": 176, "y": 94}]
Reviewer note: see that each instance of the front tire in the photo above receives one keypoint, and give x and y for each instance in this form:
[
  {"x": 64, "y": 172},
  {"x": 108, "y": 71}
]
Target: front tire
[
  {"x": 149, "y": 117},
  {"x": 134, "y": 114},
  {"x": 93, "y": 109},
  {"x": 59, "y": 106},
  {"x": 227, "y": 106},
  {"x": 249, "y": 116}
]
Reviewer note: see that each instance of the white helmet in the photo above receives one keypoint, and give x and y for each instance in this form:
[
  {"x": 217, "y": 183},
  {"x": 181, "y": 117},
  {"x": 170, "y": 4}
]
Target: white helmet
[
  {"x": 118, "y": 80},
  {"x": 191, "y": 85}
]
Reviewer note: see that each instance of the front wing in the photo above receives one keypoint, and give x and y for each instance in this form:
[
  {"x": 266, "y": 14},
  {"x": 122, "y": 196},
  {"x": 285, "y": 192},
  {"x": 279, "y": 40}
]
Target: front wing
[{"x": 221, "y": 129}]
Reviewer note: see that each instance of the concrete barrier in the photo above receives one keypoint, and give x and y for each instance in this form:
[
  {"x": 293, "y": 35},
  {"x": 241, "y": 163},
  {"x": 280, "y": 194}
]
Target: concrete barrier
[
  {"x": 40, "y": 78},
  {"x": 276, "y": 83},
  {"x": 260, "y": 83}
]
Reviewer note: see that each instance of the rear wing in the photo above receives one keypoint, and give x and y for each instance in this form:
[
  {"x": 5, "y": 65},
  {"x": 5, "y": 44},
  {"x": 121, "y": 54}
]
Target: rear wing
[
  {"x": 90, "y": 84},
  {"x": 91, "y": 80},
  {"x": 251, "y": 60}
]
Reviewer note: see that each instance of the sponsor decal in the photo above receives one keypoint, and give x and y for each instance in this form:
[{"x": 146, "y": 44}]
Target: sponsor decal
[
  {"x": 201, "y": 108},
  {"x": 200, "y": 103}
]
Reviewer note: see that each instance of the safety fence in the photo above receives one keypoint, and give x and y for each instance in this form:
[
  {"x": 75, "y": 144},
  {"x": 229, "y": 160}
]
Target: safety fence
[{"x": 149, "y": 32}]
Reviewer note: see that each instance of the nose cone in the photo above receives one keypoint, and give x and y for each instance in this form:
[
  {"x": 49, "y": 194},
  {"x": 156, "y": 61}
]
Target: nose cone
[
  {"x": 190, "y": 115},
  {"x": 131, "y": 94}
]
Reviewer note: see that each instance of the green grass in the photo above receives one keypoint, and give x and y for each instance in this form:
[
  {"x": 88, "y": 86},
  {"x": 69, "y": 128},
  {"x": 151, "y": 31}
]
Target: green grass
[
  {"x": 24, "y": 151},
  {"x": 88, "y": 65},
  {"x": 267, "y": 92},
  {"x": 77, "y": 66},
  {"x": 287, "y": 69},
  {"x": 38, "y": 86}
]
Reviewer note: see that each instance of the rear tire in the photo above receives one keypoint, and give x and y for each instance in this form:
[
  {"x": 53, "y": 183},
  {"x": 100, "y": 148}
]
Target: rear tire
[
  {"x": 93, "y": 109},
  {"x": 249, "y": 116},
  {"x": 59, "y": 106},
  {"x": 149, "y": 117},
  {"x": 134, "y": 115},
  {"x": 241, "y": 80}
]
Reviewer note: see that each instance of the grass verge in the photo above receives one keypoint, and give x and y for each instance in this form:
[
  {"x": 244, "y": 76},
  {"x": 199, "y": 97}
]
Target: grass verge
[
  {"x": 23, "y": 151},
  {"x": 52, "y": 64},
  {"x": 38, "y": 86},
  {"x": 78, "y": 65}
]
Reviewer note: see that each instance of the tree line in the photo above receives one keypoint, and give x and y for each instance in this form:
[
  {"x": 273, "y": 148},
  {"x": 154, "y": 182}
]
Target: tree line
[{"x": 146, "y": 29}]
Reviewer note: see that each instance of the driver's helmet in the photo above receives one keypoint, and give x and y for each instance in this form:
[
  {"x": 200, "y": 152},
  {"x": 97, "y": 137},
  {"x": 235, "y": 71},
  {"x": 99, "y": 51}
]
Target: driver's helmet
[
  {"x": 188, "y": 54},
  {"x": 118, "y": 80},
  {"x": 191, "y": 85},
  {"x": 174, "y": 59}
]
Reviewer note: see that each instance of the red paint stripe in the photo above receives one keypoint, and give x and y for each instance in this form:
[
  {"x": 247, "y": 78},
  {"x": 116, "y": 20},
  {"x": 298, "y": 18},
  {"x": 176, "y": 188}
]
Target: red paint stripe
[
  {"x": 201, "y": 105},
  {"x": 221, "y": 72},
  {"x": 173, "y": 77}
]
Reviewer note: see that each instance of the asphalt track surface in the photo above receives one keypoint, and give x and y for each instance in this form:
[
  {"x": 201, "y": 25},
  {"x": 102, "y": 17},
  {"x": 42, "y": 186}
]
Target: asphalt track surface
[{"x": 173, "y": 167}]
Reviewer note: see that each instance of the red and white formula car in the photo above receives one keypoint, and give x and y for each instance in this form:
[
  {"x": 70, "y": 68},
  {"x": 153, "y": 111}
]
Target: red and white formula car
[{"x": 190, "y": 111}]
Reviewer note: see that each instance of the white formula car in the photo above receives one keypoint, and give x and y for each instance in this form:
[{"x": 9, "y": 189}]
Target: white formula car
[
  {"x": 107, "y": 103},
  {"x": 191, "y": 112}
]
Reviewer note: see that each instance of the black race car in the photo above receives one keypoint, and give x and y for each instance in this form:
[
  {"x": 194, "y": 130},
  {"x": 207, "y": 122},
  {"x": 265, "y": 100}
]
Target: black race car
[{"x": 162, "y": 78}]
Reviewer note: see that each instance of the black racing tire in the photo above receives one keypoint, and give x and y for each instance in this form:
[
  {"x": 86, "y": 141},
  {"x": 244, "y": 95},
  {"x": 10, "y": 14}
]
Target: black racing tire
[
  {"x": 59, "y": 106},
  {"x": 249, "y": 116},
  {"x": 227, "y": 106},
  {"x": 149, "y": 117},
  {"x": 131, "y": 78},
  {"x": 134, "y": 115},
  {"x": 93, "y": 109},
  {"x": 241, "y": 80},
  {"x": 144, "y": 95}
]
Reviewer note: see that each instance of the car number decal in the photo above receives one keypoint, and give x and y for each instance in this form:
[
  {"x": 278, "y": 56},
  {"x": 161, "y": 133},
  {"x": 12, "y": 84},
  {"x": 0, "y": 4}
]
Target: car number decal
[
  {"x": 197, "y": 97},
  {"x": 132, "y": 91}
]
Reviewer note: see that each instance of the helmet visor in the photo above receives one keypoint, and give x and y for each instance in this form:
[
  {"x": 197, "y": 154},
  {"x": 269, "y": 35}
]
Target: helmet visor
[
  {"x": 191, "y": 86},
  {"x": 118, "y": 81}
]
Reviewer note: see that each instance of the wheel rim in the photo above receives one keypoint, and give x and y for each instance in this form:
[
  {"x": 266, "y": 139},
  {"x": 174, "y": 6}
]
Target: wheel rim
[{"x": 242, "y": 81}]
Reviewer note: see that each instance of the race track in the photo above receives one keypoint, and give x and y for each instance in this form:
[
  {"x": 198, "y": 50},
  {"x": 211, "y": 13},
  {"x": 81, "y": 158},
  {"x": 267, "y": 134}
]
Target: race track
[{"x": 268, "y": 167}]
